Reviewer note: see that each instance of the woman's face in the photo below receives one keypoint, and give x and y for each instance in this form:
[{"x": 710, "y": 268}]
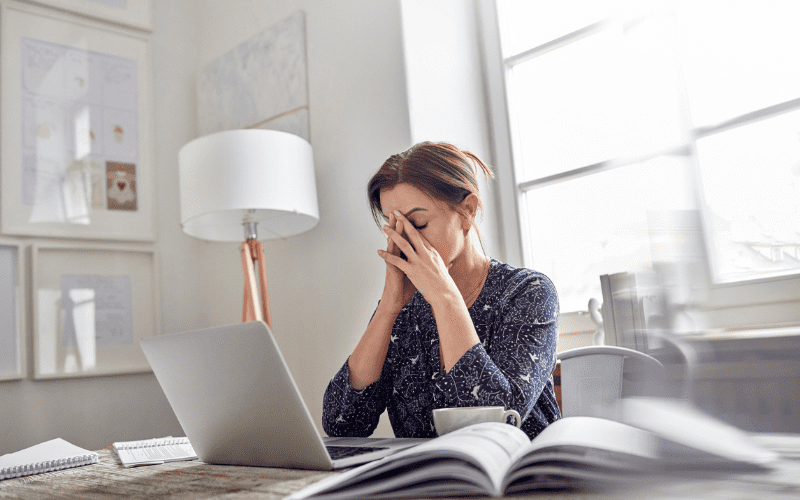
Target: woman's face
[{"x": 442, "y": 226}]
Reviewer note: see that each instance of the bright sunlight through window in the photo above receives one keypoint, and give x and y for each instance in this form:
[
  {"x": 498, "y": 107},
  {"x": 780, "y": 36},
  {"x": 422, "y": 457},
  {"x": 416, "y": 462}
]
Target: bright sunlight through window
[{"x": 622, "y": 111}]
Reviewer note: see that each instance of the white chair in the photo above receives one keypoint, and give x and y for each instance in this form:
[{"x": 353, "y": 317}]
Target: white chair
[{"x": 592, "y": 379}]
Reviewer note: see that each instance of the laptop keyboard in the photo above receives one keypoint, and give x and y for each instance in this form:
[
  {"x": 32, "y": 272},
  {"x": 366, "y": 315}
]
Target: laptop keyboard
[{"x": 337, "y": 452}]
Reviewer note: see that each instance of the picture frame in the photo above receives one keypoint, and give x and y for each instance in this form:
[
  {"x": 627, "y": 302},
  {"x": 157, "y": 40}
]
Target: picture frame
[
  {"x": 92, "y": 305},
  {"x": 13, "y": 341},
  {"x": 76, "y": 113},
  {"x": 134, "y": 13}
]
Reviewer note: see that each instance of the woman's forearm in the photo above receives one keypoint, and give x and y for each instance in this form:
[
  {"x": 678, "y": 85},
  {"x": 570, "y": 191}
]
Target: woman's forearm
[
  {"x": 457, "y": 334},
  {"x": 366, "y": 361}
]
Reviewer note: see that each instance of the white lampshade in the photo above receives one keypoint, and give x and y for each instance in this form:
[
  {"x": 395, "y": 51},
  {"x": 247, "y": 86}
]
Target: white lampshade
[{"x": 236, "y": 176}]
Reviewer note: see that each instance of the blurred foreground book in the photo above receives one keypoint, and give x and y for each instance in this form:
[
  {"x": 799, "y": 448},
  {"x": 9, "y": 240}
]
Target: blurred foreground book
[{"x": 572, "y": 453}]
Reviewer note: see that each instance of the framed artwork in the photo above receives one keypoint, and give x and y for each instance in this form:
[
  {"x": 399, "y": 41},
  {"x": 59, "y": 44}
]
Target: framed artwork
[
  {"x": 261, "y": 83},
  {"x": 75, "y": 108},
  {"x": 134, "y": 13},
  {"x": 12, "y": 312},
  {"x": 91, "y": 307}
]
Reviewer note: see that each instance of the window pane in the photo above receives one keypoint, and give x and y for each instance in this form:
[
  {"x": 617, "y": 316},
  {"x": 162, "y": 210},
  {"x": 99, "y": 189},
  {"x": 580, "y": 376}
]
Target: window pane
[
  {"x": 526, "y": 24},
  {"x": 598, "y": 224},
  {"x": 612, "y": 94},
  {"x": 738, "y": 56},
  {"x": 750, "y": 180}
]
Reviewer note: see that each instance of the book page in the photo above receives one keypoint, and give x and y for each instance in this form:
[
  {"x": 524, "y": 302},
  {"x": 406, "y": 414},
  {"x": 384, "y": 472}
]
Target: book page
[
  {"x": 491, "y": 446},
  {"x": 598, "y": 434},
  {"x": 456, "y": 459},
  {"x": 579, "y": 449},
  {"x": 703, "y": 438}
]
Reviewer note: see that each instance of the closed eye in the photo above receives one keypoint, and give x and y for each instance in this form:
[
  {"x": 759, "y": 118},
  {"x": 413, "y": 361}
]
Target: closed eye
[{"x": 423, "y": 226}]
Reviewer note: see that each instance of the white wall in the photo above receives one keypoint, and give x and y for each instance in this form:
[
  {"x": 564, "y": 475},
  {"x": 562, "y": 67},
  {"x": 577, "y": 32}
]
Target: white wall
[{"x": 445, "y": 85}]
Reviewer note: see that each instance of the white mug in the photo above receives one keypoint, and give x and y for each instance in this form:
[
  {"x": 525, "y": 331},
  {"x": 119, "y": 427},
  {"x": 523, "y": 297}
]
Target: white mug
[{"x": 449, "y": 419}]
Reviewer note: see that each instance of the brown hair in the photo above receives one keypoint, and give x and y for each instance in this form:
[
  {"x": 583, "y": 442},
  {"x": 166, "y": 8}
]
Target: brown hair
[{"x": 438, "y": 169}]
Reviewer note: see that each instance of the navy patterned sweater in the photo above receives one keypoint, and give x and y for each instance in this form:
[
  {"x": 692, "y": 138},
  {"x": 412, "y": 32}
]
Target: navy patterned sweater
[{"x": 515, "y": 316}]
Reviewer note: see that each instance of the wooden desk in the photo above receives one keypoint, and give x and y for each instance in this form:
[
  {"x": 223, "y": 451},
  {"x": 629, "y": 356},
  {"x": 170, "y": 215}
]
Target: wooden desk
[
  {"x": 191, "y": 480},
  {"x": 175, "y": 480}
]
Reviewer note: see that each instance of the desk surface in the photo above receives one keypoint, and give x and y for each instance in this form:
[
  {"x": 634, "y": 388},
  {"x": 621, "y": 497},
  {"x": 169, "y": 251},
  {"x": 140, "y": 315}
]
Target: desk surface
[{"x": 193, "y": 479}]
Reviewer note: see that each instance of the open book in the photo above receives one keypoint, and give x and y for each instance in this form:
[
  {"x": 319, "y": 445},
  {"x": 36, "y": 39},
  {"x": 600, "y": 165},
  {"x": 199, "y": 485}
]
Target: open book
[{"x": 496, "y": 459}]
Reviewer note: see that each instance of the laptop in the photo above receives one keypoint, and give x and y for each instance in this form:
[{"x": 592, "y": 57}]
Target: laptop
[{"x": 238, "y": 404}]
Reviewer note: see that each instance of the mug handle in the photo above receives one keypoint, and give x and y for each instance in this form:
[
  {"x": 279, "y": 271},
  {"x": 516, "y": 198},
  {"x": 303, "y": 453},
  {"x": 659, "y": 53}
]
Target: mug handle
[{"x": 513, "y": 413}]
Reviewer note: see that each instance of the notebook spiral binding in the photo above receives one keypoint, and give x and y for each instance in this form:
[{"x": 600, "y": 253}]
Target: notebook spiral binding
[
  {"x": 131, "y": 445},
  {"x": 47, "y": 466}
]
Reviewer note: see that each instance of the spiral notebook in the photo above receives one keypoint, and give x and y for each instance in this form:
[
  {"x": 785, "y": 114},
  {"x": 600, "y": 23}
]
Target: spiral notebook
[
  {"x": 55, "y": 454},
  {"x": 154, "y": 451}
]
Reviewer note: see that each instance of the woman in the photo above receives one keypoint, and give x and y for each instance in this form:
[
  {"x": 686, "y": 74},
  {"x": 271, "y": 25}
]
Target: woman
[{"x": 453, "y": 327}]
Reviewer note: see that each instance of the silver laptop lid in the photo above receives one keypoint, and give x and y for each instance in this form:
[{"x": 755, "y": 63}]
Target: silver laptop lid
[{"x": 234, "y": 396}]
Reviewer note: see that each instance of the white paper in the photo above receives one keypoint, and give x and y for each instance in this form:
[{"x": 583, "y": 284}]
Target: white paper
[{"x": 96, "y": 311}]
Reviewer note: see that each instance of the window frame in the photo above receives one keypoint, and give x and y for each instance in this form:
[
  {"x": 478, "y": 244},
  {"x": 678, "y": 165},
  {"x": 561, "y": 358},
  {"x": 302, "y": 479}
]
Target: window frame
[{"x": 755, "y": 303}]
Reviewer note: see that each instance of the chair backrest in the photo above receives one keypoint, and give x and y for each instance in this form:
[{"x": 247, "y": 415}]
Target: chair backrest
[{"x": 591, "y": 379}]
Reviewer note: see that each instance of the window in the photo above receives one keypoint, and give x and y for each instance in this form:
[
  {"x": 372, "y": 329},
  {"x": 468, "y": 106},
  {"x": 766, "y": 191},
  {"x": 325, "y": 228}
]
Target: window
[{"x": 619, "y": 116}]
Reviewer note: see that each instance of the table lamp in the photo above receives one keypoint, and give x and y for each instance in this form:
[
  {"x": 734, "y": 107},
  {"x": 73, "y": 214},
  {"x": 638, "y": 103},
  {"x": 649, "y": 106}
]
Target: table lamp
[{"x": 253, "y": 183}]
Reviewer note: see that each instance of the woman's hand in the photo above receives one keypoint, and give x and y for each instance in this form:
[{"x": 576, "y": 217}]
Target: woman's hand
[
  {"x": 423, "y": 265},
  {"x": 397, "y": 288}
]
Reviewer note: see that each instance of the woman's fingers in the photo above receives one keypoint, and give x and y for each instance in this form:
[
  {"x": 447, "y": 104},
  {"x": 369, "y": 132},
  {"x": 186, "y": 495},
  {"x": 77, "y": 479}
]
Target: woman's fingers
[
  {"x": 397, "y": 238},
  {"x": 404, "y": 239},
  {"x": 391, "y": 247},
  {"x": 417, "y": 240},
  {"x": 394, "y": 260}
]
